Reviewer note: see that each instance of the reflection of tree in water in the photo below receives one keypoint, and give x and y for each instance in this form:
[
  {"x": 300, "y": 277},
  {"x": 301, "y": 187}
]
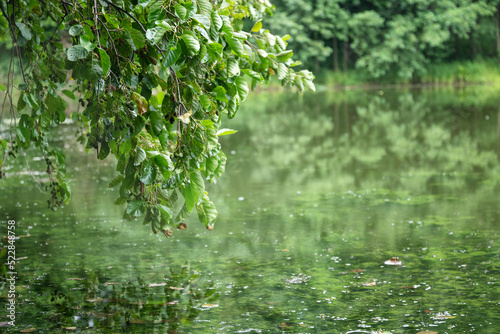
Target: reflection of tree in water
[
  {"x": 350, "y": 140},
  {"x": 88, "y": 302}
]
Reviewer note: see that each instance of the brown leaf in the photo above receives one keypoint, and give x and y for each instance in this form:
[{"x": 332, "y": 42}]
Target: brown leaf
[
  {"x": 427, "y": 332},
  {"x": 70, "y": 328},
  {"x": 168, "y": 233},
  {"x": 182, "y": 226},
  {"x": 28, "y": 330},
  {"x": 210, "y": 305},
  {"x": 394, "y": 261}
]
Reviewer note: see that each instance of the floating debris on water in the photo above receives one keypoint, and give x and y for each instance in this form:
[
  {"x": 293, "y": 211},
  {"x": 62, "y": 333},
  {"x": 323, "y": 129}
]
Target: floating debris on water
[{"x": 394, "y": 261}]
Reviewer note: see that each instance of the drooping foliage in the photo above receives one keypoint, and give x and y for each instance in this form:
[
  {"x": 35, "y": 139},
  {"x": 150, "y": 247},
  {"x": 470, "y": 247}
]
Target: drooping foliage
[{"x": 154, "y": 78}]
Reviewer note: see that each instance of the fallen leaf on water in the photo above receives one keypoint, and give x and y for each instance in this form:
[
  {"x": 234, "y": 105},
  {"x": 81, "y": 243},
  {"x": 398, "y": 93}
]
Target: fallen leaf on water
[
  {"x": 111, "y": 283},
  {"x": 172, "y": 302},
  {"x": 370, "y": 284},
  {"x": 137, "y": 321},
  {"x": 409, "y": 287},
  {"x": 70, "y": 328},
  {"x": 394, "y": 261},
  {"x": 285, "y": 325},
  {"x": 94, "y": 300},
  {"x": 21, "y": 258},
  {"x": 210, "y": 305},
  {"x": 175, "y": 288},
  {"x": 28, "y": 330},
  {"x": 444, "y": 315},
  {"x": 156, "y": 284},
  {"x": 427, "y": 332},
  {"x": 285, "y": 250},
  {"x": 357, "y": 270}
]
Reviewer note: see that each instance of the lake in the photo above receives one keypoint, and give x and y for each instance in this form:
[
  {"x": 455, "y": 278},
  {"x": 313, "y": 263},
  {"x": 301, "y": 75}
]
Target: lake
[{"x": 360, "y": 211}]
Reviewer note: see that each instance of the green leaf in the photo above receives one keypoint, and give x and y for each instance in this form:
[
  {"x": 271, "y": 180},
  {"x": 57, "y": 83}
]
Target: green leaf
[
  {"x": 138, "y": 38},
  {"x": 165, "y": 211},
  {"x": 257, "y": 26},
  {"x": 116, "y": 181},
  {"x": 173, "y": 53},
  {"x": 136, "y": 208},
  {"x": 242, "y": 86},
  {"x": 104, "y": 150},
  {"x": 193, "y": 190},
  {"x": 215, "y": 51},
  {"x": 55, "y": 104},
  {"x": 217, "y": 21},
  {"x": 140, "y": 156},
  {"x": 236, "y": 46},
  {"x": 233, "y": 67},
  {"x": 282, "y": 71},
  {"x": 205, "y": 6},
  {"x": 205, "y": 101},
  {"x": 206, "y": 211},
  {"x": 284, "y": 56},
  {"x": 155, "y": 34},
  {"x": 252, "y": 74},
  {"x": 105, "y": 62},
  {"x": 76, "y": 30},
  {"x": 148, "y": 173},
  {"x": 69, "y": 94},
  {"x": 203, "y": 20},
  {"x": 2, "y": 88},
  {"x": 220, "y": 93},
  {"x": 87, "y": 43},
  {"x": 120, "y": 200},
  {"x": 76, "y": 52},
  {"x": 25, "y": 31},
  {"x": 225, "y": 132},
  {"x": 181, "y": 11},
  {"x": 191, "y": 41}
]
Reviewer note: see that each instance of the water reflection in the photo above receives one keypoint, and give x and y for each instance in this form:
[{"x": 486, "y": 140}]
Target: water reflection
[
  {"x": 320, "y": 192},
  {"x": 93, "y": 300}
]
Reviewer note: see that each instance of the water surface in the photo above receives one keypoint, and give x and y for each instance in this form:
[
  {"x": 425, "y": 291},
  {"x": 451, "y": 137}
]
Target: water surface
[{"x": 320, "y": 191}]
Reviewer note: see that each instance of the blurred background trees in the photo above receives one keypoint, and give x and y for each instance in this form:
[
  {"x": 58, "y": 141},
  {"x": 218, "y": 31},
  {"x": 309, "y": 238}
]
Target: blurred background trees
[{"x": 397, "y": 39}]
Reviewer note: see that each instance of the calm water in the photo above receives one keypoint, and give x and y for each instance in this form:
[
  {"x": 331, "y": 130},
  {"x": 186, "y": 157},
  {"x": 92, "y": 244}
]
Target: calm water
[{"x": 320, "y": 191}]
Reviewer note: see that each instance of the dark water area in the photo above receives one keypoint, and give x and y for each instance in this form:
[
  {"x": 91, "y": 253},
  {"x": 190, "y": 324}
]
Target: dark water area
[{"x": 320, "y": 193}]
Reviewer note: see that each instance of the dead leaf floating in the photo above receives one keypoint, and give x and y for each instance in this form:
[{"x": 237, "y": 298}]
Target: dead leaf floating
[
  {"x": 427, "y": 332},
  {"x": 370, "y": 283},
  {"x": 28, "y": 330},
  {"x": 444, "y": 315},
  {"x": 394, "y": 261}
]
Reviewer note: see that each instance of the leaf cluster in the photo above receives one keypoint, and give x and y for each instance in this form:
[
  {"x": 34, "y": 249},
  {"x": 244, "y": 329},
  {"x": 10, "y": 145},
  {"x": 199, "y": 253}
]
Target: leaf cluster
[{"x": 154, "y": 80}]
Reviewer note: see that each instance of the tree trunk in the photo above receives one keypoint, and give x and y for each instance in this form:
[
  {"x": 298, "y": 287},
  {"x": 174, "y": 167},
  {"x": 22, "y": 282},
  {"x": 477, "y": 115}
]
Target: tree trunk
[
  {"x": 472, "y": 46},
  {"x": 497, "y": 31},
  {"x": 457, "y": 47},
  {"x": 346, "y": 55},
  {"x": 498, "y": 134},
  {"x": 335, "y": 47}
]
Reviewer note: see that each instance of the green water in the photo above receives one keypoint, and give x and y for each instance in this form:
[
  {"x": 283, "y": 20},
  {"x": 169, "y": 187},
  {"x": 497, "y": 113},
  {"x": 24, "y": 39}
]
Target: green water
[{"x": 319, "y": 192}]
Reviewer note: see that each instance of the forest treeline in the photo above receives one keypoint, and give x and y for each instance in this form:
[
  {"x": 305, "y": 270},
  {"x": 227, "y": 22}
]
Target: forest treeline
[{"x": 396, "y": 39}]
